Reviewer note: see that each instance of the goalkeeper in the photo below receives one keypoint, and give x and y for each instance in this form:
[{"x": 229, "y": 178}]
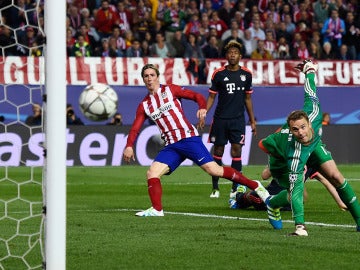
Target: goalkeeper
[
  {"x": 295, "y": 145},
  {"x": 243, "y": 199}
]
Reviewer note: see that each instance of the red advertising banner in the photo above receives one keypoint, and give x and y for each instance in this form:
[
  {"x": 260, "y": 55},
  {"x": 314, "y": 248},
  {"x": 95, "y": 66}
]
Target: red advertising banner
[{"x": 126, "y": 71}]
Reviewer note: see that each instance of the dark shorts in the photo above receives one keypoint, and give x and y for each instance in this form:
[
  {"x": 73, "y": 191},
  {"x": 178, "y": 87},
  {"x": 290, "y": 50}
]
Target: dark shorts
[
  {"x": 189, "y": 148},
  {"x": 223, "y": 131}
]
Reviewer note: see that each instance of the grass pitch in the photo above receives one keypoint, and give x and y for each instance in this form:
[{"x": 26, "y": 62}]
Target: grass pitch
[{"x": 197, "y": 232}]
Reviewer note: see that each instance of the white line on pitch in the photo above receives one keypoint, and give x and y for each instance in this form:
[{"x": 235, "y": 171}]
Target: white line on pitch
[{"x": 234, "y": 218}]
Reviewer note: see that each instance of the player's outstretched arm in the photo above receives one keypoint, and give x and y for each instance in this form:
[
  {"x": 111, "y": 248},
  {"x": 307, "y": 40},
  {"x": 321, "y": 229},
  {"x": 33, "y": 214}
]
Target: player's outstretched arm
[{"x": 318, "y": 176}]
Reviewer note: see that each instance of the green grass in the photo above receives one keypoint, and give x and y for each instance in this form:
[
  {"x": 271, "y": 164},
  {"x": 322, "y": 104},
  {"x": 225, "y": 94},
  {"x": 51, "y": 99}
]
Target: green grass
[{"x": 197, "y": 232}]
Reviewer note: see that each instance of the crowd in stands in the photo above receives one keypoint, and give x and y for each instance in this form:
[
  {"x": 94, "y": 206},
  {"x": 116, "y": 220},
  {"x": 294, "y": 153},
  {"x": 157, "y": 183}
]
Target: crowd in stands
[{"x": 194, "y": 29}]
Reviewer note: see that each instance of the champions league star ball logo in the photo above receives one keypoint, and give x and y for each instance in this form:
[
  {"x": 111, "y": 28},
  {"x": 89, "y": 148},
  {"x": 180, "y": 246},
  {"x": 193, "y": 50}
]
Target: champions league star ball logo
[{"x": 292, "y": 177}]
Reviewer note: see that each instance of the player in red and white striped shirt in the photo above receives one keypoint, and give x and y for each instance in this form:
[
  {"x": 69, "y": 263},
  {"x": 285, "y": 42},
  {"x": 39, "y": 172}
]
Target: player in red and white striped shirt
[{"x": 162, "y": 105}]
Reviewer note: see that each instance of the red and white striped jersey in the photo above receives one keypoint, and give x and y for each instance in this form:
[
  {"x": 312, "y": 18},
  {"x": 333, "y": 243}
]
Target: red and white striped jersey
[{"x": 164, "y": 108}]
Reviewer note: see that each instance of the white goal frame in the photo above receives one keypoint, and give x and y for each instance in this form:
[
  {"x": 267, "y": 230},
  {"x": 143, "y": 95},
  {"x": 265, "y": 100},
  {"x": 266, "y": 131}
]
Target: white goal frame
[{"x": 55, "y": 135}]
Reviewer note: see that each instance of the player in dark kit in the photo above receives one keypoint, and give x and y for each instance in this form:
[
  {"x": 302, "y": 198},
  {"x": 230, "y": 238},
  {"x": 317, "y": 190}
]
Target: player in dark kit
[{"x": 233, "y": 86}]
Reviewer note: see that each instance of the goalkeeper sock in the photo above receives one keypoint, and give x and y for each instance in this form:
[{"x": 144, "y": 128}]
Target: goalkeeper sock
[
  {"x": 348, "y": 196},
  {"x": 155, "y": 193},
  {"x": 279, "y": 200},
  {"x": 235, "y": 176}
]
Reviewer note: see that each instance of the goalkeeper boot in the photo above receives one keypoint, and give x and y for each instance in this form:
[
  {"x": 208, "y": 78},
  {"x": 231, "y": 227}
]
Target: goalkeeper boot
[
  {"x": 239, "y": 189},
  {"x": 274, "y": 215},
  {"x": 151, "y": 212},
  {"x": 300, "y": 230}
]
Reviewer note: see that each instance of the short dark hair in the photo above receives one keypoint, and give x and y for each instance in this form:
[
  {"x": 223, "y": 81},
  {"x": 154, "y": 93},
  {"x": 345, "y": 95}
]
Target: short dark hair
[
  {"x": 147, "y": 66},
  {"x": 296, "y": 115}
]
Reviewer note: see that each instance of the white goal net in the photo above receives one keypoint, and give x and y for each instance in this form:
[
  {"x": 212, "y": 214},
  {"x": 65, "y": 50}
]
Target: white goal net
[{"x": 21, "y": 135}]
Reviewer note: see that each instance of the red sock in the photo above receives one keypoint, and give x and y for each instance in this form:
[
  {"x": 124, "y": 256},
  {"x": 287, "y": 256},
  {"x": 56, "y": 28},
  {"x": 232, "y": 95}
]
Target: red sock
[
  {"x": 155, "y": 192},
  {"x": 238, "y": 177}
]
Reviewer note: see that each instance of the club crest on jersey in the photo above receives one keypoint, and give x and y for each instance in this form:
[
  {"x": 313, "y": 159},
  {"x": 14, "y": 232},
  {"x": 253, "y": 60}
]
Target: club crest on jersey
[
  {"x": 212, "y": 139},
  {"x": 163, "y": 95},
  {"x": 243, "y": 78}
]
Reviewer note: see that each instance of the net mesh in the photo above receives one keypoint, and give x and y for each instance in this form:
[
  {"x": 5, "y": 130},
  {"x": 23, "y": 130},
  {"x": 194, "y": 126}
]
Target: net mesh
[{"x": 21, "y": 137}]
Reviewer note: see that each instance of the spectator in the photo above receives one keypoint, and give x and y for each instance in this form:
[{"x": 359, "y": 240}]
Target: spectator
[
  {"x": 207, "y": 8},
  {"x": 105, "y": 19},
  {"x": 26, "y": 42},
  {"x": 125, "y": 17},
  {"x": 84, "y": 31},
  {"x": 70, "y": 42},
  {"x": 326, "y": 119},
  {"x": 193, "y": 26},
  {"x": 6, "y": 41},
  {"x": 327, "y": 52},
  {"x": 174, "y": 19},
  {"x": 116, "y": 120},
  {"x": 218, "y": 24},
  {"x": 271, "y": 13},
  {"x": 135, "y": 49},
  {"x": 322, "y": 10},
  {"x": 205, "y": 25},
  {"x": 351, "y": 36},
  {"x": 196, "y": 59},
  {"x": 343, "y": 53},
  {"x": 250, "y": 44},
  {"x": 160, "y": 11},
  {"x": 145, "y": 48},
  {"x": 161, "y": 48},
  {"x": 314, "y": 51},
  {"x": 128, "y": 37},
  {"x": 142, "y": 20},
  {"x": 256, "y": 32},
  {"x": 36, "y": 118},
  {"x": 241, "y": 9},
  {"x": 119, "y": 40},
  {"x": 192, "y": 8},
  {"x": 71, "y": 118},
  {"x": 282, "y": 49},
  {"x": 281, "y": 32},
  {"x": 224, "y": 12},
  {"x": 234, "y": 25},
  {"x": 74, "y": 17},
  {"x": 302, "y": 51},
  {"x": 270, "y": 42},
  {"x": 333, "y": 30},
  {"x": 212, "y": 50},
  {"x": 290, "y": 26},
  {"x": 36, "y": 50},
  {"x": 303, "y": 14},
  {"x": 234, "y": 36},
  {"x": 178, "y": 42},
  {"x": 113, "y": 49},
  {"x": 260, "y": 53},
  {"x": 81, "y": 48}
]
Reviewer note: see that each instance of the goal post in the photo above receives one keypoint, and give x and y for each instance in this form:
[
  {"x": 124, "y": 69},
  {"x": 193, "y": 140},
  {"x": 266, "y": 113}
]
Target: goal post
[{"x": 55, "y": 130}]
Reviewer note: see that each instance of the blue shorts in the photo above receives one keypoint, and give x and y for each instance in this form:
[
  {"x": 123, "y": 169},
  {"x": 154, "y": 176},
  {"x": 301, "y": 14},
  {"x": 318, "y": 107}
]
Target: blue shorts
[{"x": 189, "y": 148}]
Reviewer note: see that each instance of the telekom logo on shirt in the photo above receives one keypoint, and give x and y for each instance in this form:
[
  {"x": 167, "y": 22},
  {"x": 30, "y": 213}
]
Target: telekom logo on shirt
[{"x": 230, "y": 87}]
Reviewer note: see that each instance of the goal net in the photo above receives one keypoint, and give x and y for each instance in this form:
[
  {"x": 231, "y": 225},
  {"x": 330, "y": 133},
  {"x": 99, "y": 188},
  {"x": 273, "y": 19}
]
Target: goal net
[{"x": 23, "y": 137}]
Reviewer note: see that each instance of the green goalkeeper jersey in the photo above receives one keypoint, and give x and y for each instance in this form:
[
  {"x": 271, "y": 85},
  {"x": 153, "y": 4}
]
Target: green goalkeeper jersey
[{"x": 288, "y": 157}]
